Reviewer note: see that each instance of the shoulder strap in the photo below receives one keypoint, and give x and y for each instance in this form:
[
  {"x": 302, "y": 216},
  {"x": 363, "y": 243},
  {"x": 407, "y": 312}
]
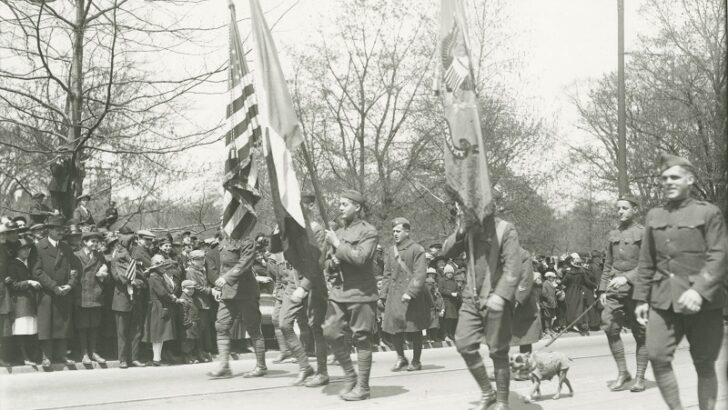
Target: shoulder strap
[{"x": 399, "y": 260}]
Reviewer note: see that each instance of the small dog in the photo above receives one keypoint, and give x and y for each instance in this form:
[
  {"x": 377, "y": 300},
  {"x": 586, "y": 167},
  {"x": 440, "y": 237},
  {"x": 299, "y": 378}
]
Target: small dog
[{"x": 542, "y": 366}]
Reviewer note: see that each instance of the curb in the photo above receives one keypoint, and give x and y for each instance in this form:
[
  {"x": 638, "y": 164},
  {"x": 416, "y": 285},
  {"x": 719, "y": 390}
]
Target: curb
[{"x": 114, "y": 364}]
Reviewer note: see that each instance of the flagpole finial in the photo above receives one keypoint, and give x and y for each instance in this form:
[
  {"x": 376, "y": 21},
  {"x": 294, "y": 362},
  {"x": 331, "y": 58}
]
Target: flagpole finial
[{"x": 231, "y": 4}]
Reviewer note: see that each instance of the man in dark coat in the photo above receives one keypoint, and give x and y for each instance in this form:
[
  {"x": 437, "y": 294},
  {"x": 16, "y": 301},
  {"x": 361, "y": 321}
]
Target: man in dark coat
[
  {"x": 406, "y": 305},
  {"x": 616, "y": 285},
  {"x": 52, "y": 269},
  {"x": 488, "y": 300},
  {"x": 353, "y": 297},
  {"x": 679, "y": 286},
  {"x": 110, "y": 216},
  {"x": 60, "y": 185},
  {"x": 238, "y": 293}
]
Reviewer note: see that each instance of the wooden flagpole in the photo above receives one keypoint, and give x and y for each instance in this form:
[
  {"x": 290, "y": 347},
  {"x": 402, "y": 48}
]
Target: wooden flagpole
[{"x": 316, "y": 185}]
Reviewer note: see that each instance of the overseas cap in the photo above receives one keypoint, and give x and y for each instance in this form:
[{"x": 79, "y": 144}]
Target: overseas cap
[
  {"x": 550, "y": 274},
  {"x": 188, "y": 283},
  {"x": 629, "y": 198},
  {"x": 669, "y": 161},
  {"x": 431, "y": 270},
  {"x": 355, "y": 196},
  {"x": 400, "y": 221},
  {"x": 448, "y": 269}
]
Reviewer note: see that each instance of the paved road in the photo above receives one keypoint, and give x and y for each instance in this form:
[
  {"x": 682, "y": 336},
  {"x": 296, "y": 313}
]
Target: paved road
[{"x": 443, "y": 384}]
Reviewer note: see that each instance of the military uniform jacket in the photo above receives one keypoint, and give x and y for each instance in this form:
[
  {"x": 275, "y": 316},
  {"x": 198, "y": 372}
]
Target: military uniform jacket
[
  {"x": 496, "y": 251},
  {"x": 415, "y": 315},
  {"x": 684, "y": 247},
  {"x": 236, "y": 263},
  {"x": 356, "y": 264},
  {"x": 622, "y": 256}
]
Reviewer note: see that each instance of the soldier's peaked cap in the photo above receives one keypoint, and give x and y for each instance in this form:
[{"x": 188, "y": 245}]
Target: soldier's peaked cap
[
  {"x": 629, "y": 198},
  {"x": 146, "y": 234},
  {"x": 355, "y": 196},
  {"x": 669, "y": 161},
  {"x": 400, "y": 221},
  {"x": 308, "y": 197}
]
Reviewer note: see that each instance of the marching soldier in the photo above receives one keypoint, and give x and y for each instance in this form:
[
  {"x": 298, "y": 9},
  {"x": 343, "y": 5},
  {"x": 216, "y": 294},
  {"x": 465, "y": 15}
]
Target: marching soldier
[
  {"x": 238, "y": 293},
  {"x": 620, "y": 271},
  {"x": 487, "y": 309},
  {"x": 406, "y": 304},
  {"x": 679, "y": 285},
  {"x": 353, "y": 298}
]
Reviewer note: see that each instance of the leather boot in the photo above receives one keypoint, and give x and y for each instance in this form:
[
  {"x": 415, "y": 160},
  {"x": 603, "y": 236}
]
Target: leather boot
[
  {"x": 303, "y": 374},
  {"x": 318, "y": 380},
  {"x": 400, "y": 364},
  {"x": 622, "y": 379},
  {"x": 341, "y": 353},
  {"x": 638, "y": 386},
  {"x": 361, "y": 390},
  {"x": 502, "y": 387},
  {"x": 477, "y": 369}
]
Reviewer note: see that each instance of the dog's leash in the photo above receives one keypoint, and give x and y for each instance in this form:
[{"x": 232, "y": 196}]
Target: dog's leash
[{"x": 553, "y": 339}]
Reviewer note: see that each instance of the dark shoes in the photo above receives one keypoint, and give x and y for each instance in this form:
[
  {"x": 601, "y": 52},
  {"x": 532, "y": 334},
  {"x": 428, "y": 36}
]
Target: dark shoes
[
  {"x": 358, "y": 393},
  {"x": 156, "y": 363},
  {"x": 414, "y": 366},
  {"x": 317, "y": 380},
  {"x": 349, "y": 384},
  {"x": 223, "y": 373},
  {"x": 303, "y": 375},
  {"x": 256, "y": 372},
  {"x": 622, "y": 380},
  {"x": 400, "y": 364},
  {"x": 638, "y": 386}
]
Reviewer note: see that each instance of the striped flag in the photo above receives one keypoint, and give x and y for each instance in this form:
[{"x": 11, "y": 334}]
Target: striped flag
[
  {"x": 242, "y": 133},
  {"x": 282, "y": 136},
  {"x": 131, "y": 270}
]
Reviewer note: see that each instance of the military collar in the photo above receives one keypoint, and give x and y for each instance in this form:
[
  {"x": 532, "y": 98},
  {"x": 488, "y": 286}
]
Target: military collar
[
  {"x": 405, "y": 244},
  {"x": 354, "y": 221},
  {"x": 679, "y": 204}
]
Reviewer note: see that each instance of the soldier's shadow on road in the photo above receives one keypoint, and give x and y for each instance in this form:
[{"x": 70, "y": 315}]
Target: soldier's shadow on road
[
  {"x": 649, "y": 384},
  {"x": 515, "y": 402},
  {"x": 333, "y": 389},
  {"x": 431, "y": 367},
  {"x": 269, "y": 374}
]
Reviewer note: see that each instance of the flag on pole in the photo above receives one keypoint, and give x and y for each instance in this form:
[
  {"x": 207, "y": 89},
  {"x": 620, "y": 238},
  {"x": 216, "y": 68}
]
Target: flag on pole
[
  {"x": 282, "y": 136},
  {"x": 242, "y": 132},
  {"x": 466, "y": 168}
]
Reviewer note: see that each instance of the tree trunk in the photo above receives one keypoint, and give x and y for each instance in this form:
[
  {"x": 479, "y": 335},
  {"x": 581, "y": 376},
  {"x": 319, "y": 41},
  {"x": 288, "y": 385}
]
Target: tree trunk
[{"x": 76, "y": 93}]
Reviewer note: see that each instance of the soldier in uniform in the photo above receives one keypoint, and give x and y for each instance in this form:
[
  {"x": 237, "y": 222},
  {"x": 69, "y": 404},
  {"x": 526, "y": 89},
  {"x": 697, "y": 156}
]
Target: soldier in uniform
[
  {"x": 238, "y": 293},
  {"x": 615, "y": 287},
  {"x": 679, "y": 286},
  {"x": 353, "y": 297},
  {"x": 487, "y": 309},
  {"x": 406, "y": 303}
]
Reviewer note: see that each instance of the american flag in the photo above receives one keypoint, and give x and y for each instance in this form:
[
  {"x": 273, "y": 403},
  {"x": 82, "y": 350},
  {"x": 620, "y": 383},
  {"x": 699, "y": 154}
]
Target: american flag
[
  {"x": 242, "y": 133},
  {"x": 131, "y": 273}
]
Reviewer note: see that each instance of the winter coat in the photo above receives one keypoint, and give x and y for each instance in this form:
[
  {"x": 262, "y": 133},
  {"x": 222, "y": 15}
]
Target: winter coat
[{"x": 413, "y": 316}]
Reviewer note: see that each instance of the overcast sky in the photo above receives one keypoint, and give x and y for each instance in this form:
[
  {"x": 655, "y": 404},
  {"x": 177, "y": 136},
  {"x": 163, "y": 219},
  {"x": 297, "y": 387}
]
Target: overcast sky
[{"x": 562, "y": 43}]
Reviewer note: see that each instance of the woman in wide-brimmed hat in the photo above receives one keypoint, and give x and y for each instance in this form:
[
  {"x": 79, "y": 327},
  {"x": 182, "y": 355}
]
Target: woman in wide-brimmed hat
[
  {"x": 160, "y": 325},
  {"x": 23, "y": 294}
]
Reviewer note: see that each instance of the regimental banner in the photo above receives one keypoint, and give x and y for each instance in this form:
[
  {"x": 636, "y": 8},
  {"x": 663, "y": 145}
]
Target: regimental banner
[{"x": 466, "y": 168}]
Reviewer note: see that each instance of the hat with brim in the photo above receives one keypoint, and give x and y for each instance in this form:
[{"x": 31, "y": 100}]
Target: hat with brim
[
  {"x": 437, "y": 258},
  {"x": 38, "y": 195},
  {"x": 92, "y": 235},
  {"x": 84, "y": 196},
  {"x": 111, "y": 238},
  {"x": 550, "y": 274},
  {"x": 197, "y": 254},
  {"x": 145, "y": 234},
  {"x": 188, "y": 283},
  {"x": 435, "y": 245},
  {"x": 159, "y": 261},
  {"x": 37, "y": 227},
  {"x": 9, "y": 227},
  {"x": 125, "y": 230}
]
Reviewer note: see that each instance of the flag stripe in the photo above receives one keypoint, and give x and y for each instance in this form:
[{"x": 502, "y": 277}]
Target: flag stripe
[{"x": 241, "y": 131}]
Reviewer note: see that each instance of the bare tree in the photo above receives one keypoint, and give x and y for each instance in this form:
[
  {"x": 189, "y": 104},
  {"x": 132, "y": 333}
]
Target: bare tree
[{"x": 86, "y": 81}]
